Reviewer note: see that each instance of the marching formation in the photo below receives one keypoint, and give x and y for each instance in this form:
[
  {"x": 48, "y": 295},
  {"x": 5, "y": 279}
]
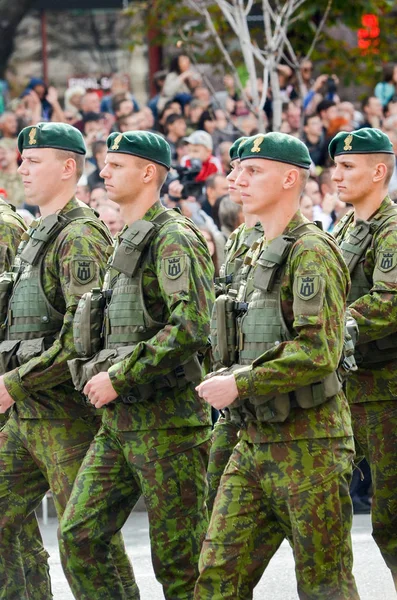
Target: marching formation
[{"x": 113, "y": 352}]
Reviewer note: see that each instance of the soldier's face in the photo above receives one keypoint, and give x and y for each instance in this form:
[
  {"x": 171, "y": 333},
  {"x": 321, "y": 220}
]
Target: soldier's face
[
  {"x": 234, "y": 191},
  {"x": 122, "y": 176},
  {"x": 260, "y": 182},
  {"x": 353, "y": 176},
  {"x": 41, "y": 171}
]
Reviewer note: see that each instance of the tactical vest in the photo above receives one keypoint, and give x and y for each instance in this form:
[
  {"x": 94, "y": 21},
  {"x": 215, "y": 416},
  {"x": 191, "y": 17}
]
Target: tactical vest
[
  {"x": 127, "y": 320},
  {"x": 8, "y": 209},
  {"x": 354, "y": 250},
  {"x": 260, "y": 325},
  {"x": 32, "y": 322},
  {"x": 227, "y": 286}
]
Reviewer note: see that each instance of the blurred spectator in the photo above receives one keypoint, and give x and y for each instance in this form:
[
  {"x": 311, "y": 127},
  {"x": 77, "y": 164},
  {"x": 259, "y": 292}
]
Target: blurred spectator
[
  {"x": 111, "y": 216},
  {"x": 200, "y": 147},
  {"x": 327, "y": 111},
  {"x": 193, "y": 112},
  {"x": 130, "y": 123},
  {"x": 209, "y": 238},
  {"x": 179, "y": 82},
  {"x": 98, "y": 196},
  {"x": 373, "y": 112},
  {"x": 314, "y": 139},
  {"x": 306, "y": 207},
  {"x": 392, "y": 134},
  {"x": 293, "y": 115},
  {"x": 90, "y": 103},
  {"x": 45, "y": 99},
  {"x": 175, "y": 130},
  {"x": 202, "y": 93},
  {"x": 120, "y": 85},
  {"x": 312, "y": 189},
  {"x": 93, "y": 129},
  {"x": 216, "y": 186},
  {"x": 122, "y": 105},
  {"x": 9, "y": 128},
  {"x": 224, "y": 157},
  {"x": 10, "y": 180},
  {"x": 72, "y": 99},
  {"x": 82, "y": 190},
  {"x": 386, "y": 89},
  {"x": 172, "y": 107},
  {"x": 99, "y": 150},
  {"x": 26, "y": 215},
  {"x": 230, "y": 216},
  {"x": 158, "y": 80},
  {"x": 391, "y": 108}
]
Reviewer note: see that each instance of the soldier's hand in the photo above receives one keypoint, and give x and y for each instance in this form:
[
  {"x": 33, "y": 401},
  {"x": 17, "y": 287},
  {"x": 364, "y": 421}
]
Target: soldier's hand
[
  {"x": 99, "y": 390},
  {"x": 219, "y": 391},
  {"x": 5, "y": 399}
]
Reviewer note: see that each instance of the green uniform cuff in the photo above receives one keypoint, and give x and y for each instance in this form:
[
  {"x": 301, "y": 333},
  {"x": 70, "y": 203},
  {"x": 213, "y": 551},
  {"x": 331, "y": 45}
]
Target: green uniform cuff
[
  {"x": 120, "y": 387},
  {"x": 244, "y": 382},
  {"x": 14, "y": 386}
]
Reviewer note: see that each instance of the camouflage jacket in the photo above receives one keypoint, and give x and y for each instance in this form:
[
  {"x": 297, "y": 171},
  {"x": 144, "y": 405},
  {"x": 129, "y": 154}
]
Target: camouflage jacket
[
  {"x": 315, "y": 350},
  {"x": 42, "y": 387},
  {"x": 11, "y": 230},
  {"x": 376, "y": 311},
  {"x": 184, "y": 304}
]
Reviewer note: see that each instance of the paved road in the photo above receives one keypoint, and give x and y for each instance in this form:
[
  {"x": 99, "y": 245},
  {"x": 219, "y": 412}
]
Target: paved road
[{"x": 372, "y": 576}]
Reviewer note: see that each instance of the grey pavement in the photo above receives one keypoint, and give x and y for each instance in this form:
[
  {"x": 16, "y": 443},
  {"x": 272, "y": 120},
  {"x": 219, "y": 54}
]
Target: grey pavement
[{"x": 372, "y": 576}]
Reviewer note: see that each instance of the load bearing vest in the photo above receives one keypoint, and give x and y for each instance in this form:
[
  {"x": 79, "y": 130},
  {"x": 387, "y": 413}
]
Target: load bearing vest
[
  {"x": 30, "y": 316},
  {"x": 127, "y": 320},
  {"x": 259, "y": 325},
  {"x": 360, "y": 237}
]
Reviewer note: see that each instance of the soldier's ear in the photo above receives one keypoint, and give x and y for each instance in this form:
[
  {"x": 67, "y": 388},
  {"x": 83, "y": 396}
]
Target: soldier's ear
[
  {"x": 69, "y": 168},
  {"x": 150, "y": 173},
  {"x": 291, "y": 178},
  {"x": 380, "y": 172}
]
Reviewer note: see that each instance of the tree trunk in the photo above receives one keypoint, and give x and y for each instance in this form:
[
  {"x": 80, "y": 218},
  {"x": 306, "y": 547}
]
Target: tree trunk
[
  {"x": 276, "y": 97},
  {"x": 11, "y": 14}
]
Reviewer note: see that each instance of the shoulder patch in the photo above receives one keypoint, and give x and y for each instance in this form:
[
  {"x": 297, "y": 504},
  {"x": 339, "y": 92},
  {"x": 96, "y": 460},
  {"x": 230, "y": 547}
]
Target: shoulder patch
[
  {"x": 174, "y": 266},
  {"x": 83, "y": 271},
  {"x": 307, "y": 287},
  {"x": 387, "y": 261},
  {"x": 175, "y": 273}
]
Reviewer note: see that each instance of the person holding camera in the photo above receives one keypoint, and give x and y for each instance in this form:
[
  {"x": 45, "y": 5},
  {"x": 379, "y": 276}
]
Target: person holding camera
[{"x": 200, "y": 147}]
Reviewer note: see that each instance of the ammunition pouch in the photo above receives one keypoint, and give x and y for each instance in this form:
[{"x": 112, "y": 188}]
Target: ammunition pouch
[
  {"x": 14, "y": 353},
  {"x": 224, "y": 332},
  {"x": 88, "y": 323},
  {"x": 6, "y": 284},
  {"x": 83, "y": 369}
]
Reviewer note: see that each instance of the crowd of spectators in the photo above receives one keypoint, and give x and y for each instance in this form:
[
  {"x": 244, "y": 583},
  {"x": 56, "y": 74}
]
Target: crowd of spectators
[{"x": 200, "y": 126}]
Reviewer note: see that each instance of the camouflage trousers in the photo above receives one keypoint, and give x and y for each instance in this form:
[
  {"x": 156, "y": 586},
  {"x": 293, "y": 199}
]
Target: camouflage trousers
[
  {"x": 375, "y": 432},
  {"x": 34, "y": 556},
  {"x": 37, "y": 454},
  {"x": 224, "y": 438},
  {"x": 297, "y": 490},
  {"x": 107, "y": 487}
]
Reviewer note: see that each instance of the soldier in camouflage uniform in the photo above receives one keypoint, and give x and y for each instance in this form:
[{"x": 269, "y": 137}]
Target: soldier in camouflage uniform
[
  {"x": 224, "y": 435},
  {"x": 34, "y": 556},
  {"x": 289, "y": 474},
  {"x": 50, "y": 426},
  {"x": 156, "y": 433},
  {"x": 368, "y": 239}
]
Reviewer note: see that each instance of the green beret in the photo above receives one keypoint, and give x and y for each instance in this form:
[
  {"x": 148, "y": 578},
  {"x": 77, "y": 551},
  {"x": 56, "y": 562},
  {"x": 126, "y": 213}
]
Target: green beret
[
  {"x": 233, "y": 150},
  {"x": 362, "y": 141},
  {"x": 52, "y": 135},
  {"x": 276, "y": 146},
  {"x": 144, "y": 144}
]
